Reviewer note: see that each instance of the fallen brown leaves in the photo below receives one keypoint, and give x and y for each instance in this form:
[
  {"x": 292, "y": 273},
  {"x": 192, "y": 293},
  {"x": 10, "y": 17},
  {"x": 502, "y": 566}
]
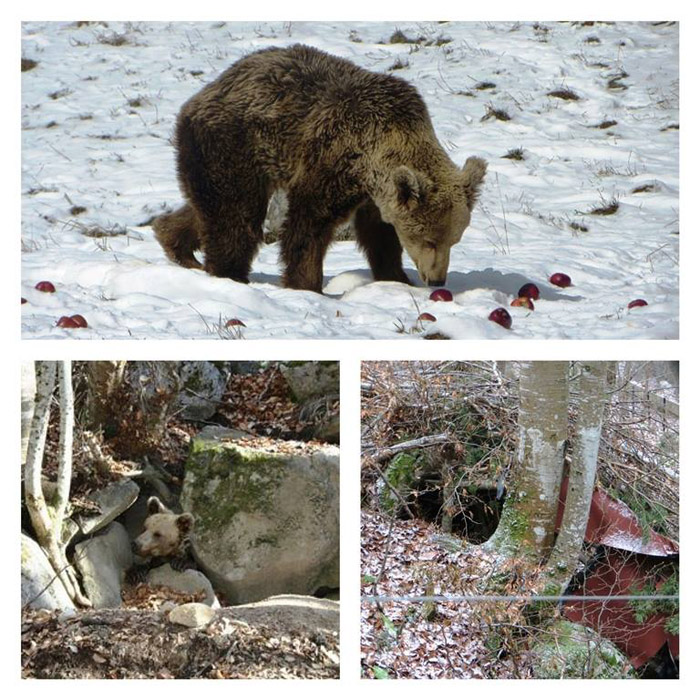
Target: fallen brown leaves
[
  {"x": 140, "y": 644},
  {"x": 273, "y": 446},
  {"x": 261, "y": 404},
  {"x": 423, "y": 640},
  {"x": 144, "y": 596}
]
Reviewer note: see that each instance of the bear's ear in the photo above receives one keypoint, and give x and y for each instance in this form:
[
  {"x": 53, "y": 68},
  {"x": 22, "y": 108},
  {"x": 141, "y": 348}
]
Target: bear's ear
[
  {"x": 185, "y": 522},
  {"x": 473, "y": 174},
  {"x": 154, "y": 505},
  {"x": 409, "y": 186}
]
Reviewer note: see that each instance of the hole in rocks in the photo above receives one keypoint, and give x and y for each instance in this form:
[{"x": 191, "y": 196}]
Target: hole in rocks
[{"x": 476, "y": 509}]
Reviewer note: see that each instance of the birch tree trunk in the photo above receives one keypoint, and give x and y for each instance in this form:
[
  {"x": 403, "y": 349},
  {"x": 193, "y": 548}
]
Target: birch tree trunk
[
  {"x": 34, "y": 494},
  {"x": 48, "y": 521},
  {"x": 28, "y": 391},
  {"x": 65, "y": 448},
  {"x": 582, "y": 473},
  {"x": 526, "y": 527}
]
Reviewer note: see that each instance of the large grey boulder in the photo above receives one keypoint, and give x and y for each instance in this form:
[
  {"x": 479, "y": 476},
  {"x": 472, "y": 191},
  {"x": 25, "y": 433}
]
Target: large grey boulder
[
  {"x": 41, "y": 588},
  {"x": 266, "y": 514},
  {"x": 192, "y": 388},
  {"x": 203, "y": 386},
  {"x": 112, "y": 501},
  {"x": 310, "y": 380},
  {"x": 102, "y": 561},
  {"x": 290, "y": 613}
]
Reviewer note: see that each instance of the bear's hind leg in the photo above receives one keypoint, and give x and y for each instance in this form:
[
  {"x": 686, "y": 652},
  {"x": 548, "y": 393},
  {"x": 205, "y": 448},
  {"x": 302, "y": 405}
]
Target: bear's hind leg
[
  {"x": 231, "y": 240},
  {"x": 379, "y": 242},
  {"x": 177, "y": 233},
  {"x": 219, "y": 177}
]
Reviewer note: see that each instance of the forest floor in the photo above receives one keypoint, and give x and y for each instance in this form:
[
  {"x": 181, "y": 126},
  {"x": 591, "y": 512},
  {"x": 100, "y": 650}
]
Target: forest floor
[
  {"x": 145, "y": 644},
  {"x": 448, "y": 640}
]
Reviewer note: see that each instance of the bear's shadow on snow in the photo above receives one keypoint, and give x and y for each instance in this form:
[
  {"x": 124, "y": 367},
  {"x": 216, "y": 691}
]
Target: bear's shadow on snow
[
  {"x": 509, "y": 283},
  {"x": 265, "y": 278}
]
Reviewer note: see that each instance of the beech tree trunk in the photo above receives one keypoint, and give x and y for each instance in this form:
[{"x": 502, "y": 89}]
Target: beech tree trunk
[
  {"x": 104, "y": 377},
  {"x": 582, "y": 472},
  {"x": 526, "y": 527}
]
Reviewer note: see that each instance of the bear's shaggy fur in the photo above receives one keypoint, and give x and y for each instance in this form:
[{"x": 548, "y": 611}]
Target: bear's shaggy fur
[
  {"x": 165, "y": 534},
  {"x": 340, "y": 140}
]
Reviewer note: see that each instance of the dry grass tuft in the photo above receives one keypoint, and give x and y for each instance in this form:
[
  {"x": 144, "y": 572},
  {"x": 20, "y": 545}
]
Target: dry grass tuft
[
  {"x": 496, "y": 113},
  {"x": 606, "y": 208},
  {"x": 28, "y": 64},
  {"x": 564, "y": 94},
  {"x": 515, "y": 154}
]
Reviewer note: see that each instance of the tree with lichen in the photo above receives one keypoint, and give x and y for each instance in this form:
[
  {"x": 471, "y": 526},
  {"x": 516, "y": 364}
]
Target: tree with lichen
[
  {"x": 529, "y": 514},
  {"x": 527, "y": 527},
  {"x": 592, "y": 382}
]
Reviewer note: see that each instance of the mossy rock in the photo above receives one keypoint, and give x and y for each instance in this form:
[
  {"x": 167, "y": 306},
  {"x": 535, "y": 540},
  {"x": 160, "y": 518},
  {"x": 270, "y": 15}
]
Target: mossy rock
[
  {"x": 570, "y": 650},
  {"x": 266, "y": 516}
]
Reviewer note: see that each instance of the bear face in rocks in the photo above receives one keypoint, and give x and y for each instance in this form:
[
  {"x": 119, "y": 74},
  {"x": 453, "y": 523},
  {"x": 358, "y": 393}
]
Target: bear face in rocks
[
  {"x": 342, "y": 142},
  {"x": 165, "y": 533}
]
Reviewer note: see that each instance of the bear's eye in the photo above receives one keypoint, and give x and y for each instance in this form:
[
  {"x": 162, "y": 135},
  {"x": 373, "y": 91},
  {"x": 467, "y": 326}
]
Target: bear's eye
[{"x": 157, "y": 534}]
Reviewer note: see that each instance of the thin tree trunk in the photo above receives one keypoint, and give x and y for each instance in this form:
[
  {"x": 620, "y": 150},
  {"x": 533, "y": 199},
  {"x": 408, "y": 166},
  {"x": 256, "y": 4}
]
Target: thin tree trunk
[
  {"x": 529, "y": 515},
  {"x": 65, "y": 451},
  {"x": 28, "y": 390},
  {"x": 582, "y": 473},
  {"x": 104, "y": 377},
  {"x": 448, "y": 498},
  {"x": 46, "y": 526},
  {"x": 34, "y": 494}
]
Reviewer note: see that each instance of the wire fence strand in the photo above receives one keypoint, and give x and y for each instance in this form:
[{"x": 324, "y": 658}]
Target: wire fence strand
[{"x": 505, "y": 598}]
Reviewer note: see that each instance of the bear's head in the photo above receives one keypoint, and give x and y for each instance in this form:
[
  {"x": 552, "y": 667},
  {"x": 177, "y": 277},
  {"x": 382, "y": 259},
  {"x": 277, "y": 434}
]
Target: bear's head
[
  {"x": 163, "y": 531},
  {"x": 430, "y": 217}
]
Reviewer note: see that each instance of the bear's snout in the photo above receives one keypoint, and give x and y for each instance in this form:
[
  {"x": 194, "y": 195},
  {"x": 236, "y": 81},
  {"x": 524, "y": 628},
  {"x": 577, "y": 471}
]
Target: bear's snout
[{"x": 437, "y": 283}]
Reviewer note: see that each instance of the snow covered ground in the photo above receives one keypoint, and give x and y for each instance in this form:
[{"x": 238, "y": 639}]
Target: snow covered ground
[{"x": 98, "y": 110}]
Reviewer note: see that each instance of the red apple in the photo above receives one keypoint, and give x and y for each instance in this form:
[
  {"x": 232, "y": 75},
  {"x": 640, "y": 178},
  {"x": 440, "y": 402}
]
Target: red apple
[
  {"x": 529, "y": 290},
  {"x": 425, "y": 316},
  {"x": 45, "y": 286},
  {"x": 560, "y": 279},
  {"x": 79, "y": 320},
  {"x": 523, "y": 301},
  {"x": 67, "y": 322},
  {"x": 637, "y": 302},
  {"x": 234, "y": 322},
  {"x": 501, "y": 317},
  {"x": 441, "y": 295}
]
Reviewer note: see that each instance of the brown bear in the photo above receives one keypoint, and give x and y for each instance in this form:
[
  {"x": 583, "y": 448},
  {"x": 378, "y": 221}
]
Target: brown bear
[
  {"x": 341, "y": 141},
  {"x": 165, "y": 534}
]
